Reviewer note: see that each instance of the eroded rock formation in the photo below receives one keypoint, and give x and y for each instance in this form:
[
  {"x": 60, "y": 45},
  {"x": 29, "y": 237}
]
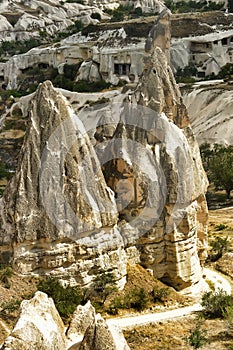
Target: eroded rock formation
[
  {"x": 40, "y": 327},
  {"x": 134, "y": 194}
]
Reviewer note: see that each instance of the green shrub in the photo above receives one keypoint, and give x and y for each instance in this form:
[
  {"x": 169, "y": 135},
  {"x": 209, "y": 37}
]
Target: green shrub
[
  {"x": 6, "y": 273},
  {"x": 137, "y": 299},
  {"x": 104, "y": 285},
  {"x": 197, "y": 337},
  {"x": 216, "y": 303},
  {"x": 96, "y": 15},
  {"x": 219, "y": 247},
  {"x": 9, "y": 307},
  {"x": 13, "y": 47},
  {"x": 65, "y": 299},
  {"x": 220, "y": 227},
  {"x": 116, "y": 304},
  {"x": 160, "y": 294},
  {"x": 4, "y": 173}
]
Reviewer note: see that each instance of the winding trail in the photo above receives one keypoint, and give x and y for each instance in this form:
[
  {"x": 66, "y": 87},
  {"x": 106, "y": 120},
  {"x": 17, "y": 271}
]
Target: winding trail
[{"x": 219, "y": 281}]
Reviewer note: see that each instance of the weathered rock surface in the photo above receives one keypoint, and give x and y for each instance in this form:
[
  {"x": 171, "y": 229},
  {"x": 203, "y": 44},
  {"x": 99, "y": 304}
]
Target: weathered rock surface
[
  {"x": 47, "y": 204},
  {"x": 210, "y": 112},
  {"x": 69, "y": 223},
  {"x": 100, "y": 336},
  {"x": 39, "y": 326},
  {"x": 24, "y": 20}
]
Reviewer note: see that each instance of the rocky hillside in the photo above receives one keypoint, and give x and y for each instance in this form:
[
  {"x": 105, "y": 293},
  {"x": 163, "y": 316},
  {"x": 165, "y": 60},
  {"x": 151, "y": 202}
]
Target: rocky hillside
[{"x": 22, "y": 20}]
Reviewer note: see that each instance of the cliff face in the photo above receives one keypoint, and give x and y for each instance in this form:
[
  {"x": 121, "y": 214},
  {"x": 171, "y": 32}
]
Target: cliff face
[{"x": 135, "y": 194}]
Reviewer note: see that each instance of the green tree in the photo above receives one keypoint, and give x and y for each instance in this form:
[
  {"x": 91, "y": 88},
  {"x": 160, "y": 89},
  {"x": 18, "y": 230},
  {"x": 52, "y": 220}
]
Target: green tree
[
  {"x": 220, "y": 168},
  {"x": 104, "y": 285}
]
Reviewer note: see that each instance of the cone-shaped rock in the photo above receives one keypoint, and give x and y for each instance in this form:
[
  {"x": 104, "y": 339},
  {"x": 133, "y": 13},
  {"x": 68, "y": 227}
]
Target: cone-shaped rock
[{"x": 58, "y": 191}]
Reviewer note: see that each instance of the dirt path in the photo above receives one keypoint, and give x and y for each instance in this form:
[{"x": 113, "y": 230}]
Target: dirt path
[{"x": 132, "y": 321}]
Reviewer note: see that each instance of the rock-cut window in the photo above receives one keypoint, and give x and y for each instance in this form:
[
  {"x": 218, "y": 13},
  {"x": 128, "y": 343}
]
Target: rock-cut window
[{"x": 122, "y": 68}]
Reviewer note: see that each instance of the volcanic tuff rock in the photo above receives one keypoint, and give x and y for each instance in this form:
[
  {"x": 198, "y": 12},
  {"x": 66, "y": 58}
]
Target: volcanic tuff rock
[
  {"x": 59, "y": 215},
  {"x": 210, "y": 110},
  {"x": 24, "y": 20},
  {"x": 39, "y": 326}
]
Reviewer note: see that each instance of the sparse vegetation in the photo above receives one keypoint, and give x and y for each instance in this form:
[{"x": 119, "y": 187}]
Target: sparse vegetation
[
  {"x": 136, "y": 299},
  {"x": 160, "y": 294},
  {"x": 66, "y": 299},
  {"x": 215, "y": 304},
  {"x": 81, "y": 86},
  {"x": 220, "y": 245},
  {"x": 6, "y": 273},
  {"x": 4, "y": 172},
  {"x": 8, "y": 308},
  {"x": 197, "y": 337},
  {"x": 193, "y": 6},
  {"x": 124, "y": 12},
  {"x": 186, "y": 75},
  {"x": 218, "y": 162},
  {"x": 17, "y": 47}
]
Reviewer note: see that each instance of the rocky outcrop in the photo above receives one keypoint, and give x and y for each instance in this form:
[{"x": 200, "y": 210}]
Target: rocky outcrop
[
  {"x": 39, "y": 326},
  {"x": 134, "y": 193},
  {"x": 210, "y": 111},
  {"x": 22, "y": 21},
  {"x": 101, "y": 336}
]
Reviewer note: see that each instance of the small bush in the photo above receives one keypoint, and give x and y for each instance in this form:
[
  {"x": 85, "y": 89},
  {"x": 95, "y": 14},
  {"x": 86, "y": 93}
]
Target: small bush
[
  {"x": 137, "y": 299},
  {"x": 115, "y": 305},
  {"x": 10, "y": 307},
  {"x": 216, "y": 303},
  {"x": 220, "y": 227},
  {"x": 160, "y": 294},
  {"x": 65, "y": 299},
  {"x": 6, "y": 273},
  {"x": 96, "y": 15},
  {"x": 197, "y": 337},
  {"x": 219, "y": 247}
]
